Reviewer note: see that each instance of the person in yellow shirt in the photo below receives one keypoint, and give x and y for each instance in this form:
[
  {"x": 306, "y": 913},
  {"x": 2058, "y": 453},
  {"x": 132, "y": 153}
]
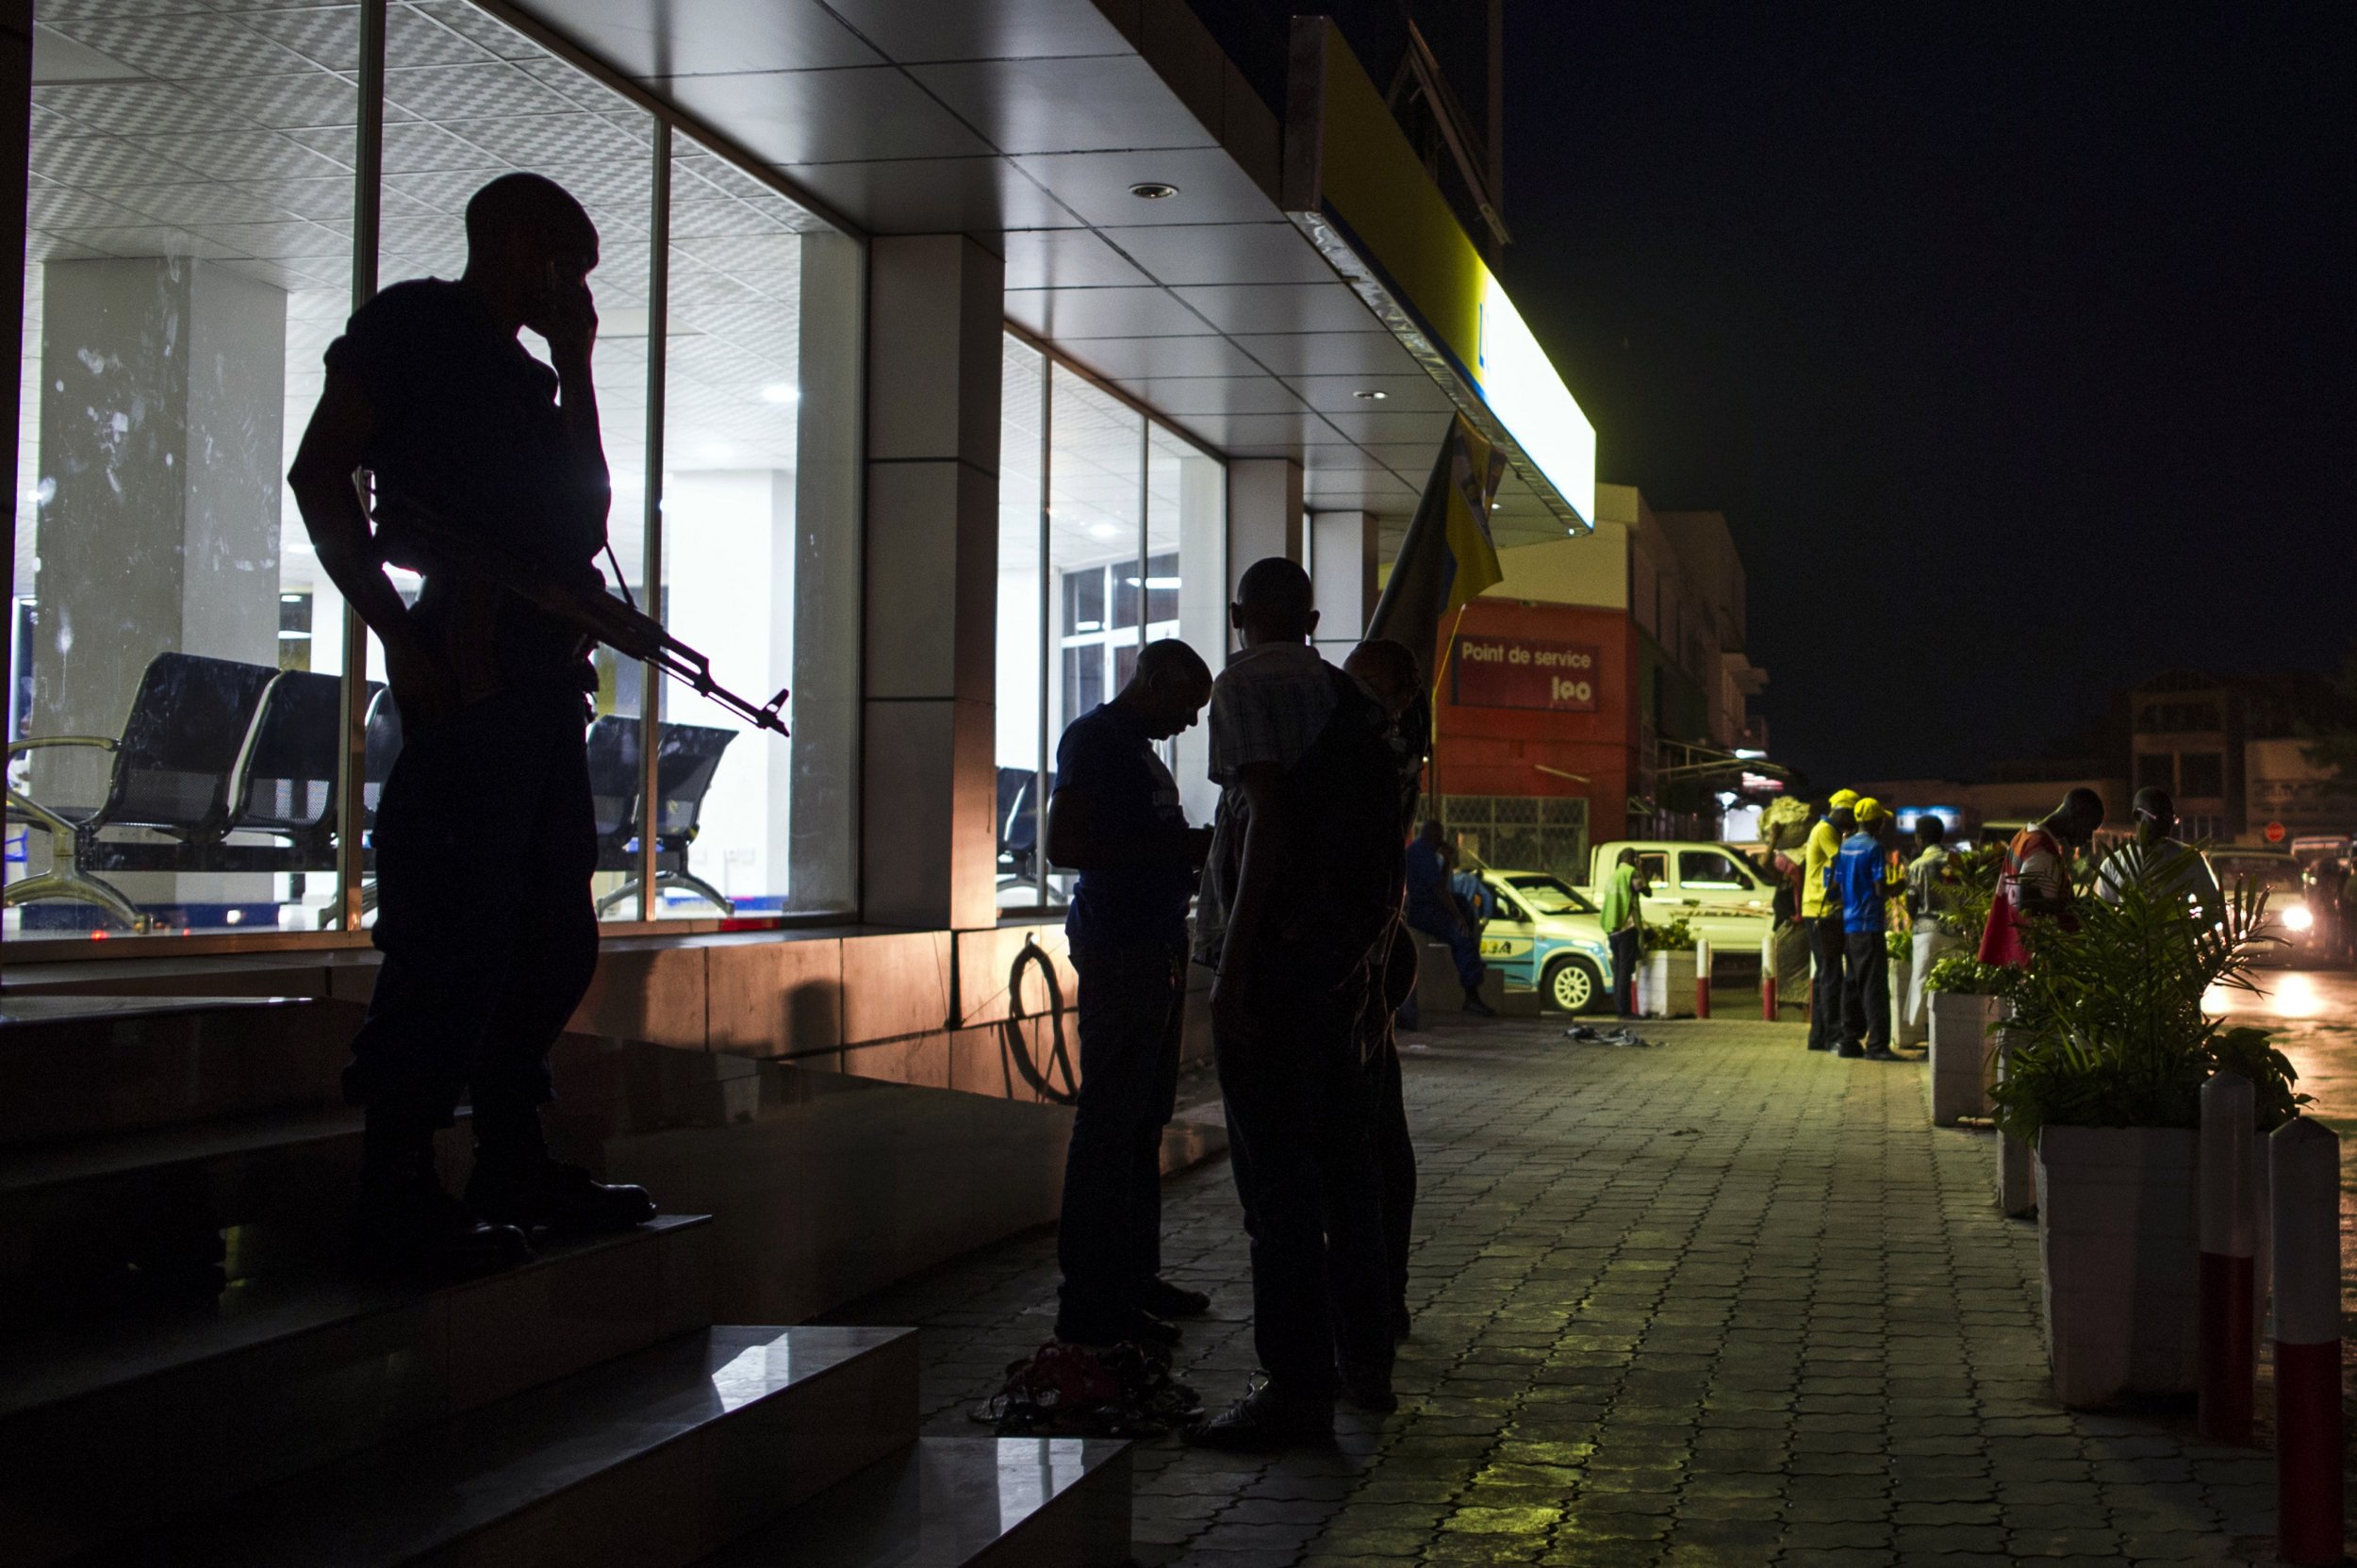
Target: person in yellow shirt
[{"x": 1827, "y": 941}]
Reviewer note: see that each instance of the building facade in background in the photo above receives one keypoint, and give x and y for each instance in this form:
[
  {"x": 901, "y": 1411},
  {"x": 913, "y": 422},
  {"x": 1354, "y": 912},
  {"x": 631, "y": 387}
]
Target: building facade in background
[{"x": 1600, "y": 692}]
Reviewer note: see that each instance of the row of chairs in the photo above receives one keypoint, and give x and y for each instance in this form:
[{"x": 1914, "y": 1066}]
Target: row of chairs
[{"x": 224, "y": 766}]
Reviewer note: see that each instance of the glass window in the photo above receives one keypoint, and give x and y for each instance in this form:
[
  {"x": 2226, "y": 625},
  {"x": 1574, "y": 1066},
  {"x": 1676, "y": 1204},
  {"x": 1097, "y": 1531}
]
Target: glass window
[
  {"x": 1711, "y": 869},
  {"x": 174, "y": 707},
  {"x": 2202, "y": 775},
  {"x": 193, "y": 175},
  {"x": 1132, "y": 548},
  {"x": 462, "y": 107},
  {"x": 1020, "y": 745},
  {"x": 756, "y": 560}
]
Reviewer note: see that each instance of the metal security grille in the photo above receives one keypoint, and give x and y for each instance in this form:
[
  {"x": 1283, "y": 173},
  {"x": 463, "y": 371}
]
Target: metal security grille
[{"x": 1521, "y": 832}]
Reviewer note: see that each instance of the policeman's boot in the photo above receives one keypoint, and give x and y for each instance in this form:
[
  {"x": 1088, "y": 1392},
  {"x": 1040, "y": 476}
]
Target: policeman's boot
[
  {"x": 1475, "y": 1005},
  {"x": 516, "y": 1182},
  {"x": 408, "y": 1223}
]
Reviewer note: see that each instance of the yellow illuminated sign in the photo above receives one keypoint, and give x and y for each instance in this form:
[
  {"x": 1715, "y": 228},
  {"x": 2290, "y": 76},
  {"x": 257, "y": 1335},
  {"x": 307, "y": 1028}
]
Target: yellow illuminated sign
[{"x": 1361, "y": 192}]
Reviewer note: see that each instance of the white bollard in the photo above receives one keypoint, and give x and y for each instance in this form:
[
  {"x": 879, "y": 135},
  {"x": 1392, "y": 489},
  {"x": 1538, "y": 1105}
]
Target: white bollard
[
  {"x": 2305, "y": 1176},
  {"x": 2230, "y": 1221},
  {"x": 1702, "y": 977}
]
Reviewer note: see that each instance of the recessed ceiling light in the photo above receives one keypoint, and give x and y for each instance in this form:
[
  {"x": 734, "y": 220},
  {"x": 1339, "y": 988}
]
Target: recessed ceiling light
[
  {"x": 1372, "y": 396},
  {"x": 1102, "y": 530},
  {"x": 1153, "y": 190},
  {"x": 780, "y": 391}
]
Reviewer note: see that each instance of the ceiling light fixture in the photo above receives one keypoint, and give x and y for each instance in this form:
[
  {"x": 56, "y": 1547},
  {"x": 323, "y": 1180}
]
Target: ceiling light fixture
[
  {"x": 781, "y": 391},
  {"x": 1372, "y": 396},
  {"x": 1102, "y": 531},
  {"x": 1153, "y": 190}
]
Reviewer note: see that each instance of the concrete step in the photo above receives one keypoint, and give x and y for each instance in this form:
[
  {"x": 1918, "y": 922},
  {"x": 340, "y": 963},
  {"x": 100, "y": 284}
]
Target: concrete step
[
  {"x": 75, "y": 1067},
  {"x": 83, "y": 1221},
  {"x": 961, "y": 1503},
  {"x": 287, "y": 1370},
  {"x": 655, "y": 1460}
]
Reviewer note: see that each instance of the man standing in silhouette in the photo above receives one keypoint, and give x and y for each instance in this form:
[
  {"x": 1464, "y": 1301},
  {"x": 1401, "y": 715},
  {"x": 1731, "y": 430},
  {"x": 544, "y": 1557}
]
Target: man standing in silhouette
[
  {"x": 484, "y": 837},
  {"x": 1302, "y": 898},
  {"x": 1115, "y": 819}
]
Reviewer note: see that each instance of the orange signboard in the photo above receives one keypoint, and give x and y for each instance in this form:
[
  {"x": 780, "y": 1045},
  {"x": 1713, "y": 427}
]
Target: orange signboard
[{"x": 1519, "y": 672}]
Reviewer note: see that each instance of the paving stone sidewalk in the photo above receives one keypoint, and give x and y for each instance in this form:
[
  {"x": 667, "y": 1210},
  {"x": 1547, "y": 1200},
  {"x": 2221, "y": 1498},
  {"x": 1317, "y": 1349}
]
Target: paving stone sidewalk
[{"x": 1722, "y": 1302}]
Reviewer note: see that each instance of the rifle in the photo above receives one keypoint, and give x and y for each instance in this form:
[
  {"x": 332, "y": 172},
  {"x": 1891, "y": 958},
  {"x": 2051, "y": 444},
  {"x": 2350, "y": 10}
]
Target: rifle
[{"x": 619, "y": 623}]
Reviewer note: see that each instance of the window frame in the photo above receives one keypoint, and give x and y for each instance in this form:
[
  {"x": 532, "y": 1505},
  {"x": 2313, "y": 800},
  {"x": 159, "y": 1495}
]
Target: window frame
[{"x": 1054, "y": 642}]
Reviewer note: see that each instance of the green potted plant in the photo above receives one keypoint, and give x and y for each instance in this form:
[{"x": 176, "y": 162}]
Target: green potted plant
[
  {"x": 2109, "y": 1045},
  {"x": 1666, "y": 979}
]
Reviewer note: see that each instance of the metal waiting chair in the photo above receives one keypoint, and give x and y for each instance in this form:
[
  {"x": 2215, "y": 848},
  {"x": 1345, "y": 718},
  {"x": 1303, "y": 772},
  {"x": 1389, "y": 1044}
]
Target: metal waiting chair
[
  {"x": 286, "y": 787},
  {"x": 181, "y": 746},
  {"x": 687, "y": 756}
]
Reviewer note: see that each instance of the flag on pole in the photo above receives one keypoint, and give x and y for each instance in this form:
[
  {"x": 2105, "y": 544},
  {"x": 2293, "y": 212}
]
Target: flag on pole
[{"x": 1448, "y": 556}]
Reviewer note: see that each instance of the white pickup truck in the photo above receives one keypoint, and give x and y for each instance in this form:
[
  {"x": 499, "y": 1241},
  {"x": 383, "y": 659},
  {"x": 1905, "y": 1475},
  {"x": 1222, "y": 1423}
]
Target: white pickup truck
[{"x": 1718, "y": 893}]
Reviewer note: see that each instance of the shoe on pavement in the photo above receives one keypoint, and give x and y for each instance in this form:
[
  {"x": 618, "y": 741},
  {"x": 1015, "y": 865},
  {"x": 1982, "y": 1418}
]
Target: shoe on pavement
[
  {"x": 548, "y": 1195},
  {"x": 1369, "y": 1388},
  {"x": 1160, "y": 1298},
  {"x": 1820, "y": 1047},
  {"x": 1879, "y": 1054},
  {"x": 1850, "y": 1053},
  {"x": 407, "y": 1223},
  {"x": 1265, "y": 1419},
  {"x": 1479, "y": 1009}
]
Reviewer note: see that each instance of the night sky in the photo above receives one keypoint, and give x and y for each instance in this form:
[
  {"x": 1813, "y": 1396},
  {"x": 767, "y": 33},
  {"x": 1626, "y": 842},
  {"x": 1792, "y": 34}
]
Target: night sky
[{"x": 2016, "y": 343}]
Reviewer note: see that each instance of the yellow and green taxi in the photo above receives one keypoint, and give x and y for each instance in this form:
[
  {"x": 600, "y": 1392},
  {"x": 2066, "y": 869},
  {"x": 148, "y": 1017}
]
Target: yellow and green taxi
[{"x": 1545, "y": 936}]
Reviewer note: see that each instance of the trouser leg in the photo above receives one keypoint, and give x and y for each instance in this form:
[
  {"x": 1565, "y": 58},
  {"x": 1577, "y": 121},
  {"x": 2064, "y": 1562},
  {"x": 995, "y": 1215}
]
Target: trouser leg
[
  {"x": 1273, "y": 1154},
  {"x": 1826, "y": 999},
  {"x": 1112, "y": 1190},
  {"x": 1358, "y": 1272},
  {"x": 487, "y": 937},
  {"x": 1395, "y": 1160},
  {"x": 1868, "y": 1012},
  {"x": 1628, "y": 950}
]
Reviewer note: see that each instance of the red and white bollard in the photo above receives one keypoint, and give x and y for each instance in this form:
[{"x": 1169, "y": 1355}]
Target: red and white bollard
[
  {"x": 1768, "y": 977},
  {"x": 1702, "y": 977},
  {"x": 2304, "y": 1172},
  {"x": 2230, "y": 1219}
]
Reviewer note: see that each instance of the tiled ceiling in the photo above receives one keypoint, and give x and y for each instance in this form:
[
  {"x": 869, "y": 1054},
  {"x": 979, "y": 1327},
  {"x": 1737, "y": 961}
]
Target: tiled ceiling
[
  {"x": 1026, "y": 122},
  {"x": 226, "y": 130}
]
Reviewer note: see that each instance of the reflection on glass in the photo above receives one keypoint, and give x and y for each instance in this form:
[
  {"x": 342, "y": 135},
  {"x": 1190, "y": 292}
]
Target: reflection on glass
[
  {"x": 753, "y": 544},
  {"x": 1022, "y": 414},
  {"x": 1135, "y": 549},
  {"x": 171, "y": 712}
]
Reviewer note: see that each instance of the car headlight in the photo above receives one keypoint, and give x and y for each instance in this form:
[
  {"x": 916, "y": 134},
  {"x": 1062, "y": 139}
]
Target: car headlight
[{"x": 2295, "y": 917}]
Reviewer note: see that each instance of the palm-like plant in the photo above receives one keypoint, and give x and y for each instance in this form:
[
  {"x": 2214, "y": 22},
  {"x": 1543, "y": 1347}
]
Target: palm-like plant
[{"x": 2108, "y": 1027}]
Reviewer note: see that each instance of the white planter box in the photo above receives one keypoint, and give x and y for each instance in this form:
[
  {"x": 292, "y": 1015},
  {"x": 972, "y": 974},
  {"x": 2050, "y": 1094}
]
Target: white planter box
[
  {"x": 1665, "y": 985},
  {"x": 1901, "y": 972},
  {"x": 2116, "y": 1232},
  {"x": 1961, "y": 1025}
]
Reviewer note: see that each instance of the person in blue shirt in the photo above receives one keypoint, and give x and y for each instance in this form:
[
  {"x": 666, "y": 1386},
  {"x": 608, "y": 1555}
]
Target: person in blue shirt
[
  {"x": 1858, "y": 880},
  {"x": 1115, "y": 819},
  {"x": 1434, "y": 909}
]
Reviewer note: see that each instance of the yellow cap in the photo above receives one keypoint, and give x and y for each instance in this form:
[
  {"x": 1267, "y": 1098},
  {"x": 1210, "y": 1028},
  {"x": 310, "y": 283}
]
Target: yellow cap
[
  {"x": 1841, "y": 797},
  {"x": 1868, "y": 809}
]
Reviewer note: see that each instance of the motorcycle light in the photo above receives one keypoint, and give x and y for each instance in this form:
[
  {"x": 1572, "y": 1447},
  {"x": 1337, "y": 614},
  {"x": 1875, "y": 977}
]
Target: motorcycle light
[{"x": 2295, "y": 917}]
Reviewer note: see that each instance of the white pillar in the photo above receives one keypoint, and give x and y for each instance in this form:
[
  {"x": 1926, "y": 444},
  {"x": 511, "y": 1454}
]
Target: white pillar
[
  {"x": 1264, "y": 519},
  {"x": 163, "y": 400},
  {"x": 1343, "y": 557},
  {"x": 928, "y": 855}
]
